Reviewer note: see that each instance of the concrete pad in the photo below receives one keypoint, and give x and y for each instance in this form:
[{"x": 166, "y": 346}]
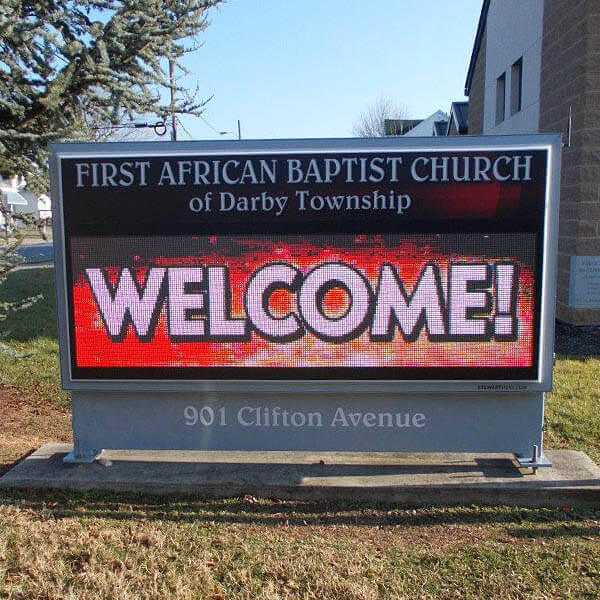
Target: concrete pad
[{"x": 408, "y": 479}]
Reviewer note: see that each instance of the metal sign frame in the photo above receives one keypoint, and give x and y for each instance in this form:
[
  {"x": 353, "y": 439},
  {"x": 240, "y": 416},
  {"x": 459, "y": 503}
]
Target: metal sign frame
[{"x": 550, "y": 143}]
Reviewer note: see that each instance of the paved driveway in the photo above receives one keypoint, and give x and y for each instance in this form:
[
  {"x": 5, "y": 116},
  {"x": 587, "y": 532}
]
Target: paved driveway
[{"x": 37, "y": 253}]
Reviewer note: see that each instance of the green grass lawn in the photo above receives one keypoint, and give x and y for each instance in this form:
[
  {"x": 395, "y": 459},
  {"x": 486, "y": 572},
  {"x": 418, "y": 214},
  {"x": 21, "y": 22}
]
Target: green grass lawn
[
  {"x": 110, "y": 546},
  {"x": 102, "y": 545},
  {"x": 32, "y": 332}
]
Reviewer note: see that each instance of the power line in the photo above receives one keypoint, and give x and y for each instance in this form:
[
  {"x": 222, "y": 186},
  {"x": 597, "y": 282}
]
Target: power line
[
  {"x": 215, "y": 130},
  {"x": 184, "y": 129},
  {"x": 159, "y": 127}
]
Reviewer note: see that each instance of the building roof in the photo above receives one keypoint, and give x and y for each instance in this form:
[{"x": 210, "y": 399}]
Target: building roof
[
  {"x": 14, "y": 198},
  {"x": 426, "y": 127},
  {"x": 477, "y": 44},
  {"x": 459, "y": 113},
  {"x": 440, "y": 127},
  {"x": 399, "y": 126}
]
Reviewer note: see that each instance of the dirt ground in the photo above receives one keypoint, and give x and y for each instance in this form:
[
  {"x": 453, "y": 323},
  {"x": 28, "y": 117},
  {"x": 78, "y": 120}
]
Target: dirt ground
[{"x": 26, "y": 424}]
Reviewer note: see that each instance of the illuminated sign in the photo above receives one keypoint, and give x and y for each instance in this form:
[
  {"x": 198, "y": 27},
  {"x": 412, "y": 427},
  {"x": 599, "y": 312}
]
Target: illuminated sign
[{"x": 354, "y": 260}]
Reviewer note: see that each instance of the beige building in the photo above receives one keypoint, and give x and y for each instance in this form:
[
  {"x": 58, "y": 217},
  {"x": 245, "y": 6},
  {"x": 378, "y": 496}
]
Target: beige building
[{"x": 535, "y": 67}]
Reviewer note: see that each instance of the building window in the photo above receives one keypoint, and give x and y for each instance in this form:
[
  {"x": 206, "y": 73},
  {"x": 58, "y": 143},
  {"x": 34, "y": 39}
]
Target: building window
[
  {"x": 516, "y": 86},
  {"x": 500, "y": 93}
]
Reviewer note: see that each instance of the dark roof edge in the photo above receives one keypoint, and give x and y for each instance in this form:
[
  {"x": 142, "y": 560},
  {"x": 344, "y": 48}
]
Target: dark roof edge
[
  {"x": 461, "y": 128},
  {"x": 476, "y": 44}
]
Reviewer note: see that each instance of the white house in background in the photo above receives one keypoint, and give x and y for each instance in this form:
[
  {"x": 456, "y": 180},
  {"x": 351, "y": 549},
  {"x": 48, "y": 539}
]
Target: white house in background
[
  {"x": 427, "y": 127},
  {"x": 456, "y": 122},
  {"x": 44, "y": 207},
  {"x": 14, "y": 195},
  {"x": 434, "y": 124}
]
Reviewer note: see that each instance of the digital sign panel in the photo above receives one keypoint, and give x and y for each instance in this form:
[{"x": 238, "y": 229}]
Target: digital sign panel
[{"x": 259, "y": 263}]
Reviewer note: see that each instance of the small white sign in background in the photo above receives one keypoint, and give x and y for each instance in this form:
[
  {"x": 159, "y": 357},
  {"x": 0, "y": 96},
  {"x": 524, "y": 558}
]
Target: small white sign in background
[{"x": 584, "y": 282}]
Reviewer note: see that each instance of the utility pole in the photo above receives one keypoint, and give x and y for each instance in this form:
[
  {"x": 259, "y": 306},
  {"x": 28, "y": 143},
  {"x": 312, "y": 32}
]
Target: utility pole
[
  {"x": 172, "y": 86},
  {"x": 239, "y": 130}
]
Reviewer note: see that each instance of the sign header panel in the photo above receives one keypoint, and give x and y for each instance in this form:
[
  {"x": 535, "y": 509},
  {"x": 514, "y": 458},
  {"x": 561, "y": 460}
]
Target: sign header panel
[{"x": 328, "y": 261}]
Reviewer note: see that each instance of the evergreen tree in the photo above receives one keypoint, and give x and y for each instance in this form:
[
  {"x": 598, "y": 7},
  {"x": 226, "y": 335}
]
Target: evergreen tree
[
  {"x": 9, "y": 260},
  {"x": 64, "y": 64}
]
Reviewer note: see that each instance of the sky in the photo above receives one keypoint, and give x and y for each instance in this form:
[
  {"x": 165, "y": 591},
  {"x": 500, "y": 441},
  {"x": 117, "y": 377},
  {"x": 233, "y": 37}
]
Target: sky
[{"x": 308, "y": 68}]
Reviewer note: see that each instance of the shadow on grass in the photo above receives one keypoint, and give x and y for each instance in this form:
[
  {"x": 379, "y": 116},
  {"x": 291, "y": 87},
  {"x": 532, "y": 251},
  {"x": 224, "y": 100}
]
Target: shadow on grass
[
  {"x": 6, "y": 467},
  {"x": 558, "y": 530},
  {"x": 576, "y": 342},
  {"x": 38, "y": 320},
  {"x": 58, "y": 504}
]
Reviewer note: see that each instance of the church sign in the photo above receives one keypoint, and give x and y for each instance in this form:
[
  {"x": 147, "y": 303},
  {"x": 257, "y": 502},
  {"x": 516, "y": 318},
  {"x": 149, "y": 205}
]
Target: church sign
[{"x": 389, "y": 265}]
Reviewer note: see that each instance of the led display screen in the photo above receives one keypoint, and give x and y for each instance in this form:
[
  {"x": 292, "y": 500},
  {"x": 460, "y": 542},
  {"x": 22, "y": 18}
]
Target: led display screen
[
  {"x": 386, "y": 265},
  {"x": 384, "y": 302}
]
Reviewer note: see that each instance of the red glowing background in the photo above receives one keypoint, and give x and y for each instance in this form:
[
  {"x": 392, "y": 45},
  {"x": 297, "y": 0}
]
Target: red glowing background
[{"x": 244, "y": 254}]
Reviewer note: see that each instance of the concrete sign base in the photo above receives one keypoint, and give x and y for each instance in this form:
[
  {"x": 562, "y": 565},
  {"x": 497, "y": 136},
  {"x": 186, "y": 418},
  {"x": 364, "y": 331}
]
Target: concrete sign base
[
  {"x": 403, "y": 479},
  {"x": 449, "y": 422}
]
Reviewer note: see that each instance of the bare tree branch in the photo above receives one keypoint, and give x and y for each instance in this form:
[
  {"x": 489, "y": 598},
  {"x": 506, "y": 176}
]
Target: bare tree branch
[{"x": 371, "y": 121}]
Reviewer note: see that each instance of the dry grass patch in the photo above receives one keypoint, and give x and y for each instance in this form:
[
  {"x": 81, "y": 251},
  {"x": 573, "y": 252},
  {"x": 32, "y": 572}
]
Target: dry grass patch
[
  {"x": 125, "y": 546},
  {"x": 27, "y": 423}
]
